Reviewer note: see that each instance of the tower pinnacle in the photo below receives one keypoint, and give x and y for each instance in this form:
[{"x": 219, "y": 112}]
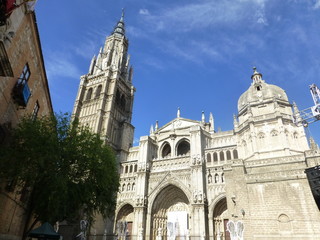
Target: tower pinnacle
[{"x": 119, "y": 28}]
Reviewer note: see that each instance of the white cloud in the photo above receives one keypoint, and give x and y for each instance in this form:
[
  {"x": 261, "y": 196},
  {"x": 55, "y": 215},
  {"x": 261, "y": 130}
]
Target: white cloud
[
  {"x": 316, "y": 4},
  {"x": 144, "y": 11},
  {"x": 207, "y": 13},
  {"x": 59, "y": 64}
]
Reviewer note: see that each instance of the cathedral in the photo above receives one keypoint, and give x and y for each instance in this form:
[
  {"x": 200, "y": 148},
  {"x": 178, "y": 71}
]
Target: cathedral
[{"x": 188, "y": 181}]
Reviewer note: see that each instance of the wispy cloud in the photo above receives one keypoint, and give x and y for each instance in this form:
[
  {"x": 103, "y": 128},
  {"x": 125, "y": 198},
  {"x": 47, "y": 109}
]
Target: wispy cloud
[
  {"x": 144, "y": 11},
  {"x": 316, "y": 4},
  {"x": 59, "y": 64},
  {"x": 206, "y": 13}
]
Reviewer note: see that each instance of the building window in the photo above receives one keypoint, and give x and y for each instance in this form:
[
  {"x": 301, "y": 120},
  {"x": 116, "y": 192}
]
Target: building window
[
  {"x": 35, "y": 110},
  {"x": 228, "y": 155},
  {"x": 21, "y": 92},
  {"x": 208, "y": 157},
  {"x": 235, "y": 154},
  {"x": 221, "y": 156},
  {"x": 183, "y": 148},
  {"x": 166, "y": 150},
  {"x": 215, "y": 157},
  {"x": 98, "y": 91},
  {"x": 89, "y": 94}
]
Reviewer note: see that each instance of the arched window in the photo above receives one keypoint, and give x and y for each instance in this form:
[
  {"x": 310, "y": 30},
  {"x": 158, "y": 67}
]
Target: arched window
[
  {"x": 123, "y": 187},
  {"x": 228, "y": 155},
  {"x": 235, "y": 154},
  {"x": 222, "y": 177},
  {"x": 98, "y": 91},
  {"x": 126, "y": 169},
  {"x": 128, "y": 187},
  {"x": 135, "y": 168},
  {"x": 216, "y": 178},
  {"x": 295, "y": 135},
  {"x": 133, "y": 187},
  {"x": 274, "y": 133},
  {"x": 166, "y": 150},
  {"x": 215, "y": 157},
  {"x": 209, "y": 157},
  {"x": 183, "y": 148},
  {"x": 118, "y": 97},
  {"x": 221, "y": 156},
  {"x": 89, "y": 94},
  {"x": 131, "y": 169},
  {"x": 123, "y": 102}
]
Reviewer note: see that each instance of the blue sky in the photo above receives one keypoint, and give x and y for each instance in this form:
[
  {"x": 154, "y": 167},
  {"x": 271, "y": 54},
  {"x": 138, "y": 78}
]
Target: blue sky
[{"x": 197, "y": 55}]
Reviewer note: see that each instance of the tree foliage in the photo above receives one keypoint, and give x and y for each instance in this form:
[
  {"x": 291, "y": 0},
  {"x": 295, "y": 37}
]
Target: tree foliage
[{"x": 64, "y": 166}]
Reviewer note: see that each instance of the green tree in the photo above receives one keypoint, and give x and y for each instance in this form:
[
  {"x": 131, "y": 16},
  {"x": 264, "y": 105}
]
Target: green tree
[{"x": 64, "y": 166}]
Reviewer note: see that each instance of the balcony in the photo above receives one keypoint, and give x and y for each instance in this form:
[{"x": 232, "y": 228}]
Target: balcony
[{"x": 21, "y": 93}]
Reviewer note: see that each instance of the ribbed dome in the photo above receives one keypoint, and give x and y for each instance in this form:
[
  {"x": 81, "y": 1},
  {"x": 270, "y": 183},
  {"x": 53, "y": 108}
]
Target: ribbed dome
[{"x": 261, "y": 91}]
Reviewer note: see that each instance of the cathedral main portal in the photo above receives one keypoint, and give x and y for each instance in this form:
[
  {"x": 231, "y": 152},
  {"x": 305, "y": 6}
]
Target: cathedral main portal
[{"x": 170, "y": 214}]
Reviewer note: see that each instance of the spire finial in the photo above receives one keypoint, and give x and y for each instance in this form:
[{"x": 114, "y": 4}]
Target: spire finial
[
  {"x": 178, "y": 113},
  {"x": 122, "y": 15}
]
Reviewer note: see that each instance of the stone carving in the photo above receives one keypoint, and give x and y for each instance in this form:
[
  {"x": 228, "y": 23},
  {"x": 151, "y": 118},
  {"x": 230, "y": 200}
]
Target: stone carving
[
  {"x": 197, "y": 159},
  {"x": 199, "y": 197},
  {"x": 141, "y": 201}
]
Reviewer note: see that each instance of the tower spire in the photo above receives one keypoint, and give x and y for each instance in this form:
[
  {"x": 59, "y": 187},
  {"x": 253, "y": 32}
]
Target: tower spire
[{"x": 119, "y": 28}]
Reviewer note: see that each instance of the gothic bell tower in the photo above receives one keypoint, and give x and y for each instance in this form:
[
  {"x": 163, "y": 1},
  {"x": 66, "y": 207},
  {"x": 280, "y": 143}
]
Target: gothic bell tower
[{"x": 105, "y": 97}]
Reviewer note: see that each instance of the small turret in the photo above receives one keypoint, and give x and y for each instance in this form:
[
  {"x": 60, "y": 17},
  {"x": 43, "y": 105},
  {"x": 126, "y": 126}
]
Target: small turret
[{"x": 256, "y": 76}]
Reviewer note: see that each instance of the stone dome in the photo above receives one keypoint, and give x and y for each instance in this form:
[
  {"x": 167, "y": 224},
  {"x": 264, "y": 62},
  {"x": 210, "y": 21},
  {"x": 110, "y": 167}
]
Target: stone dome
[{"x": 259, "y": 91}]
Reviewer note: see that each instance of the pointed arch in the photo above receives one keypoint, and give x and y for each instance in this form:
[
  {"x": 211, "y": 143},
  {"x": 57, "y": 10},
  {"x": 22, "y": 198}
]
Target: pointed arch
[
  {"x": 228, "y": 153},
  {"x": 89, "y": 94},
  {"x": 98, "y": 91},
  {"x": 165, "y": 150},
  {"x": 183, "y": 147}
]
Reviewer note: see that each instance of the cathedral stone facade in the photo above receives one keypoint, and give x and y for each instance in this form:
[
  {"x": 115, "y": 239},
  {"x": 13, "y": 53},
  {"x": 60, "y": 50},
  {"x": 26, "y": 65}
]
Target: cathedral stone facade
[{"x": 186, "y": 180}]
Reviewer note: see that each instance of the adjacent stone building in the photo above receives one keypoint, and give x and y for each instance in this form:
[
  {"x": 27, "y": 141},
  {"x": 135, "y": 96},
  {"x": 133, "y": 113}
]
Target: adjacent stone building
[
  {"x": 23, "y": 90},
  {"x": 188, "y": 181}
]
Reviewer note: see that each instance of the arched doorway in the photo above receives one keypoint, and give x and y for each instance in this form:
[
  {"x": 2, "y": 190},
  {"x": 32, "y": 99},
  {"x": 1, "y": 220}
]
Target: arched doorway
[
  {"x": 170, "y": 214},
  {"x": 124, "y": 222},
  {"x": 220, "y": 221}
]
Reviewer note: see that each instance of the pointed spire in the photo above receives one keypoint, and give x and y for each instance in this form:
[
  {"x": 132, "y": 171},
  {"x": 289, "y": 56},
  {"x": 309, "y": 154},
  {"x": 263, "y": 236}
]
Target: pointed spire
[
  {"x": 178, "y": 113},
  {"x": 119, "y": 28},
  {"x": 151, "y": 130},
  {"x": 203, "y": 118},
  {"x": 157, "y": 126},
  {"x": 313, "y": 145},
  {"x": 235, "y": 121},
  {"x": 211, "y": 120},
  {"x": 92, "y": 64},
  {"x": 256, "y": 76}
]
